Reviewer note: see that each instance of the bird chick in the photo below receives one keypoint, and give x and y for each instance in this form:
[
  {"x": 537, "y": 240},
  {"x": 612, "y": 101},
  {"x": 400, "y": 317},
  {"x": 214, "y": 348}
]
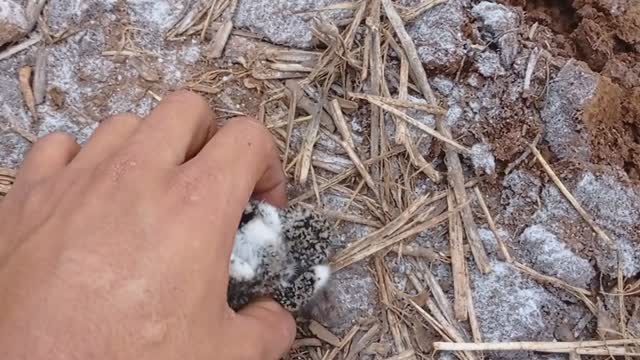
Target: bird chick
[{"x": 281, "y": 253}]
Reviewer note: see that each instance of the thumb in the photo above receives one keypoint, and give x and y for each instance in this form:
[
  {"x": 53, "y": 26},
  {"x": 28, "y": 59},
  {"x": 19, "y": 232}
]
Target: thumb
[{"x": 268, "y": 328}]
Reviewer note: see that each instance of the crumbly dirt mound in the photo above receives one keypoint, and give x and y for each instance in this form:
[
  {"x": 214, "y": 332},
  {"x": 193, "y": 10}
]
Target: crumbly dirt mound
[{"x": 605, "y": 34}]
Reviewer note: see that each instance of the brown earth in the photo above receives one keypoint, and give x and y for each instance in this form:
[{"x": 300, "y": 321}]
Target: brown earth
[{"x": 606, "y": 35}]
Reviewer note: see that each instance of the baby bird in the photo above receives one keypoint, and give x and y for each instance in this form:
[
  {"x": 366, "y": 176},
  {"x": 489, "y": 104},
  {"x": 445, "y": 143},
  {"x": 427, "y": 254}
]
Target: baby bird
[{"x": 281, "y": 253}]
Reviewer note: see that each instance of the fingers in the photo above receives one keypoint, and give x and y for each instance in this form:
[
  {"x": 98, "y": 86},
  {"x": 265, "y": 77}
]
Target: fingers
[
  {"x": 107, "y": 139},
  {"x": 174, "y": 131},
  {"x": 268, "y": 328},
  {"x": 47, "y": 157},
  {"x": 240, "y": 160}
]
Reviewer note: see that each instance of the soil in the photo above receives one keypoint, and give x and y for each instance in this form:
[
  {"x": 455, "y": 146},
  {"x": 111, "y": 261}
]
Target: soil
[{"x": 582, "y": 104}]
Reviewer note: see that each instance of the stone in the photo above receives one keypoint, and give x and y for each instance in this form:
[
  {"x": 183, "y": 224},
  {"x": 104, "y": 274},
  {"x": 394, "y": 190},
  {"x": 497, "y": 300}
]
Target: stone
[
  {"x": 549, "y": 255},
  {"x": 438, "y": 35},
  {"x": 499, "y": 23},
  {"x": 569, "y": 93},
  {"x": 284, "y": 22},
  {"x": 13, "y": 21}
]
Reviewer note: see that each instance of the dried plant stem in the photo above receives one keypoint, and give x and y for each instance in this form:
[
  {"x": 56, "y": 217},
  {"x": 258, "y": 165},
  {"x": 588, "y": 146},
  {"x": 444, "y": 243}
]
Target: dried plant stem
[
  {"x": 574, "y": 202},
  {"x": 12, "y": 50},
  {"x": 344, "y": 342},
  {"x": 343, "y": 176},
  {"x": 24, "y": 76},
  {"x": 576, "y": 291},
  {"x": 552, "y": 347},
  {"x": 444, "y": 328},
  {"x": 40, "y": 76},
  {"x": 456, "y": 177},
  {"x": 458, "y": 262},
  {"x": 504, "y": 251},
  {"x": 401, "y": 115},
  {"x": 385, "y": 299},
  {"x": 220, "y": 40}
]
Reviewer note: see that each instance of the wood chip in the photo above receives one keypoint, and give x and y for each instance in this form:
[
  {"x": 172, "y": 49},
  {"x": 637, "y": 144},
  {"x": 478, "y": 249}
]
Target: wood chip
[
  {"x": 24, "y": 76},
  {"x": 323, "y": 333},
  {"x": 40, "y": 76},
  {"x": 216, "y": 47}
]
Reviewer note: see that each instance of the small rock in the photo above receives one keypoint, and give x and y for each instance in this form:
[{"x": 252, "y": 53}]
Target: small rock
[
  {"x": 482, "y": 159},
  {"x": 283, "y": 21},
  {"x": 501, "y": 23},
  {"x": 13, "y": 21},
  {"x": 549, "y": 255},
  {"x": 488, "y": 64},
  {"x": 438, "y": 36},
  {"x": 569, "y": 93},
  {"x": 475, "y": 80},
  {"x": 350, "y": 296}
]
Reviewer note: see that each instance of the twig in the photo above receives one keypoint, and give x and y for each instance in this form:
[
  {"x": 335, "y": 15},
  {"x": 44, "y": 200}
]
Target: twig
[
  {"x": 431, "y": 109},
  {"x": 574, "y": 202},
  {"x": 418, "y": 251},
  {"x": 419, "y": 125},
  {"x": 347, "y": 338},
  {"x": 531, "y": 67},
  {"x": 220, "y": 41},
  {"x": 20, "y": 47},
  {"x": 343, "y": 176},
  {"x": 363, "y": 342},
  {"x": 576, "y": 291},
  {"x": 456, "y": 177},
  {"x": 323, "y": 333},
  {"x": 504, "y": 252},
  {"x": 553, "y": 347},
  {"x": 348, "y": 145},
  {"x": 24, "y": 75},
  {"x": 458, "y": 262},
  {"x": 40, "y": 76},
  {"x": 523, "y": 156},
  {"x": 300, "y": 343}
]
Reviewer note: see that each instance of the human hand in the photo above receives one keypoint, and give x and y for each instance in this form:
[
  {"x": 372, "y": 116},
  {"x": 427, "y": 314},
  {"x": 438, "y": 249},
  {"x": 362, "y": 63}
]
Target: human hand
[{"x": 120, "y": 250}]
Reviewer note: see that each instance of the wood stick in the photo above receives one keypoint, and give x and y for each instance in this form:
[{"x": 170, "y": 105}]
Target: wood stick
[
  {"x": 323, "y": 333},
  {"x": 9, "y": 52},
  {"x": 458, "y": 262},
  {"x": 24, "y": 76},
  {"x": 401, "y": 102},
  {"x": 456, "y": 177},
  {"x": 344, "y": 175},
  {"x": 504, "y": 252},
  {"x": 541, "y": 346},
  {"x": 574, "y": 202},
  {"x": 220, "y": 41},
  {"x": 344, "y": 342},
  {"x": 40, "y": 76},
  {"x": 438, "y": 294},
  {"x": 420, "y": 125}
]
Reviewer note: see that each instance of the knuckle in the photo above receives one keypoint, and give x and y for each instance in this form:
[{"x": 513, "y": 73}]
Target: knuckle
[
  {"x": 190, "y": 183},
  {"x": 117, "y": 167}
]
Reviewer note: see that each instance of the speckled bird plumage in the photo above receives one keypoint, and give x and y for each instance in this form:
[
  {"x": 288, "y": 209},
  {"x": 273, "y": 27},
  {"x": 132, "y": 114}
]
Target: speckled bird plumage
[{"x": 282, "y": 253}]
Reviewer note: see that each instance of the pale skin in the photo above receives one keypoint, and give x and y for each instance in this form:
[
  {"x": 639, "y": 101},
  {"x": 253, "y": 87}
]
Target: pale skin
[{"x": 119, "y": 249}]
